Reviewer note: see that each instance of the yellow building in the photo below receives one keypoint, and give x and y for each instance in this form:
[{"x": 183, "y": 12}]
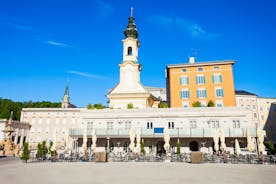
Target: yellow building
[{"x": 202, "y": 82}]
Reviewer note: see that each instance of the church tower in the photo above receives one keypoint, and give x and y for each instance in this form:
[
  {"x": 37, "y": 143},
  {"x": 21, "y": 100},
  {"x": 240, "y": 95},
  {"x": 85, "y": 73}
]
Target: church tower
[
  {"x": 130, "y": 90},
  {"x": 66, "y": 98}
]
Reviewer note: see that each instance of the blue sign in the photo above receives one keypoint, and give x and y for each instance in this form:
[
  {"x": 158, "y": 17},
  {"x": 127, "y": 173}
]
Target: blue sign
[{"x": 158, "y": 130}]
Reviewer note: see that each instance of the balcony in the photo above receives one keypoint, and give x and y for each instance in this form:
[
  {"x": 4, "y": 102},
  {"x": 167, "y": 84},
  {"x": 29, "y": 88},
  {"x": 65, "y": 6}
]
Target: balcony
[{"x": 174, "y": 133}]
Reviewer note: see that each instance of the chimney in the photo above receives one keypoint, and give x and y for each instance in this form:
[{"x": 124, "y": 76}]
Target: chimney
[{"x": 191, "y": 59}]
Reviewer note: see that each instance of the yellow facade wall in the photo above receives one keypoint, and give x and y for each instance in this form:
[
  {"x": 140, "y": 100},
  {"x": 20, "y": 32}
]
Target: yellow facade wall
[{"x": 227, "y": 84}]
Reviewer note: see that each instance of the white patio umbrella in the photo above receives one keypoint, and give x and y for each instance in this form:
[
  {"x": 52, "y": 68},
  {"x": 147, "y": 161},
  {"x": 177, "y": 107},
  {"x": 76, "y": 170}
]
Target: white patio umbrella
[
  {"x": 216, "y": 141},
  {"x": 166, "y": 139},
  {"x": 261, "y": 134},
  {"x": 237, "y": 147},
  {"x": 131, "y": 137},
  {"x": 138, "y": 142},
  {"x": 67, "y": 144},
  {"x": 94, "y": 140},
  {"x": 84, "y": 144},
  {"x": 222, "y": 140},
  {"x": 250, "y": 144}
]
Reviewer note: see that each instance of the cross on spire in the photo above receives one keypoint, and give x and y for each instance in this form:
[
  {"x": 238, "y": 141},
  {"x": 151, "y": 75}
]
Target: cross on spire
[{"x": 131, "y": 12}]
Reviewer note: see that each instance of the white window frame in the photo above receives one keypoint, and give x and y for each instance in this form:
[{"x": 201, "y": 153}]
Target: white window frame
[
  {"x": 219, "y": 103},
  {"x": 202, "y": 93},
  {"x": 184, "y": 80},
  {"x": 201, "y": 78},
  {"x": 222, "y": 94},
  {"x": 185, "y": 104},
  {"x": 217, "y": 78}
]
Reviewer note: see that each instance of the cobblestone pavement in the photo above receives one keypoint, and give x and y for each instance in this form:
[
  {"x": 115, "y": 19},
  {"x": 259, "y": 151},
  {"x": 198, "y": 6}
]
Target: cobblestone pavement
[{"x": 16, "y": 172}]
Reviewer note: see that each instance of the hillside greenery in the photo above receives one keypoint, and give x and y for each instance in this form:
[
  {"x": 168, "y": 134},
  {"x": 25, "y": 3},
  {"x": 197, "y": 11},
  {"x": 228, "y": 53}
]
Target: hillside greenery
[{"x": 7, "y": 105}]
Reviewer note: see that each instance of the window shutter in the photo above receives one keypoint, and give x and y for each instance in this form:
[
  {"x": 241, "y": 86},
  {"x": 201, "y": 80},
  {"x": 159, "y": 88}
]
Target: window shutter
[
  {"x": 222, "y": 92},
  {"x": 188, "y": 80},
  {"x": 197, "y": 93},
  {"x": 181, "y": 94},
  {"x": 205, "y": 93},
  {"x": 204, "y": 80},
  {"x": 213, "y": 80},
  {"x": 196, "y": 80},
  {"x": 188, "y": 94},
  {"x": 180, "y": 80},
  {"x": 220, "y": 78}
]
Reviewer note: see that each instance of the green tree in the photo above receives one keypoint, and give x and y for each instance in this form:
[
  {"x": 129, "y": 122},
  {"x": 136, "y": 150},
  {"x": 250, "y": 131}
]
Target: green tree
[
  {"x": 178, "y": 148},
  {"x": 270, "y": 148},
  {"x": 130, "y": 106},
  {"x": 7, "y": 105},
  {"x": 90, "y": 106},
  {"x": 163, "y": 105},
  {"x": 143, "y": 148},
  {"x": 26, "y": 152},
  {"x": 196, "y": 104},
  {"x": 39, "y": 152},
  {"x": 44, "y": 149},
  {"x": 99, "y": 106},
  {"x": 211, "y": 104}
]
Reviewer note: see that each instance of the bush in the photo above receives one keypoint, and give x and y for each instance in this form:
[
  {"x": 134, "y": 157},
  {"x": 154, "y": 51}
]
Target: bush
[
  {"x": 163, "y": 105},
  {"x": 178, "y": 148},
  {"x": 26, "y": 152},
  {"x": 143, "y": 148},
  {"x": 130, "y": 106},
  {"x": 211, "y": 104},
  {"x": 196, "y": 104},
  {"x": 270, "y": 148}
]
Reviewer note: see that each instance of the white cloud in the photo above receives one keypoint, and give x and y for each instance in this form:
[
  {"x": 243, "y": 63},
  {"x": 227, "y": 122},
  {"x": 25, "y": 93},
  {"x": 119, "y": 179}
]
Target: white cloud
[
  {"x": 191, "y": 28},
  {"x": 59, "y": 44},
  {"x": 83, "y": 74}
]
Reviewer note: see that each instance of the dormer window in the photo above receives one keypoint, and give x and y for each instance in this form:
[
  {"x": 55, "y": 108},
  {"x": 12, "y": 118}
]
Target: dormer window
[{"x": 129, "y": 51}]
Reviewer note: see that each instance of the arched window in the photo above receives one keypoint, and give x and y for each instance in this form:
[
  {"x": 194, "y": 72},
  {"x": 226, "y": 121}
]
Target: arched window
[{"x": 129, "y": 51}]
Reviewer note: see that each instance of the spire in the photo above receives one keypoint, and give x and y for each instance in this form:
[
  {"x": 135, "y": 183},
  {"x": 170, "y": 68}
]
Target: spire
[
  {"x": 131, "y": 30},
  {"x": 66, "y": 93},
  {"x": 66, "y": 98}
]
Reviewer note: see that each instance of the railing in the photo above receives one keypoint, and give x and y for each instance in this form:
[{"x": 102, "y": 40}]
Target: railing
[{"x": 177, "y": 132}]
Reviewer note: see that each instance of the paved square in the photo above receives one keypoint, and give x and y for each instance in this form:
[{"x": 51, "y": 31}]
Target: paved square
[{"x": 16, "y": 172}]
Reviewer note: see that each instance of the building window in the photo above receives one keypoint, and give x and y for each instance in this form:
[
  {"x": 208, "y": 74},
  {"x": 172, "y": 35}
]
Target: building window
[
  {"x": 200, "y": 69},
  {"x": 216, "y": 68},
  {"x": 200, "y": 79},
  {"x": 184, "y": 80},
  {"x": 236, "y": 124},
  {"x": 184, "y": 70},
  {"x": 255, "y": 115},
  {"x": 219, "y": 92},
  {"x": 219, "y": 103},
  {"x": 184, "y": 94},
  {"x": 201, "y": 93},
  {"x": 109, "y": 125},
  {"x": 129, "y": 51},
  {"x": 185, "y": 104},
  {"x": 127, "y": 125},
  {"x": 217, "y": 78},
  {"x": 89, "y": 125},
  {"x": 171, "y": 125},
  {"x": 149, "y": 125},
  {"x": 192, "y": 124},
  {"x": 213, "y": 123}
]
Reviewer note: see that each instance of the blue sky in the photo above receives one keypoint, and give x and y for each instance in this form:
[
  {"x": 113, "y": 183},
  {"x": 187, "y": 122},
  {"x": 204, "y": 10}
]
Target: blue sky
[{"x": 45, "y": 43}]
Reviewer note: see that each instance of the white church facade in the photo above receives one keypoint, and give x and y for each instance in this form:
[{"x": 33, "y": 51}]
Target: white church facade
[{"x": 193, "y": 128}]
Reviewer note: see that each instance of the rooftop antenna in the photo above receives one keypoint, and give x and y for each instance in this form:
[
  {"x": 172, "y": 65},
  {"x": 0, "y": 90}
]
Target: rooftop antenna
[{"x": 131, "y": 12}]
